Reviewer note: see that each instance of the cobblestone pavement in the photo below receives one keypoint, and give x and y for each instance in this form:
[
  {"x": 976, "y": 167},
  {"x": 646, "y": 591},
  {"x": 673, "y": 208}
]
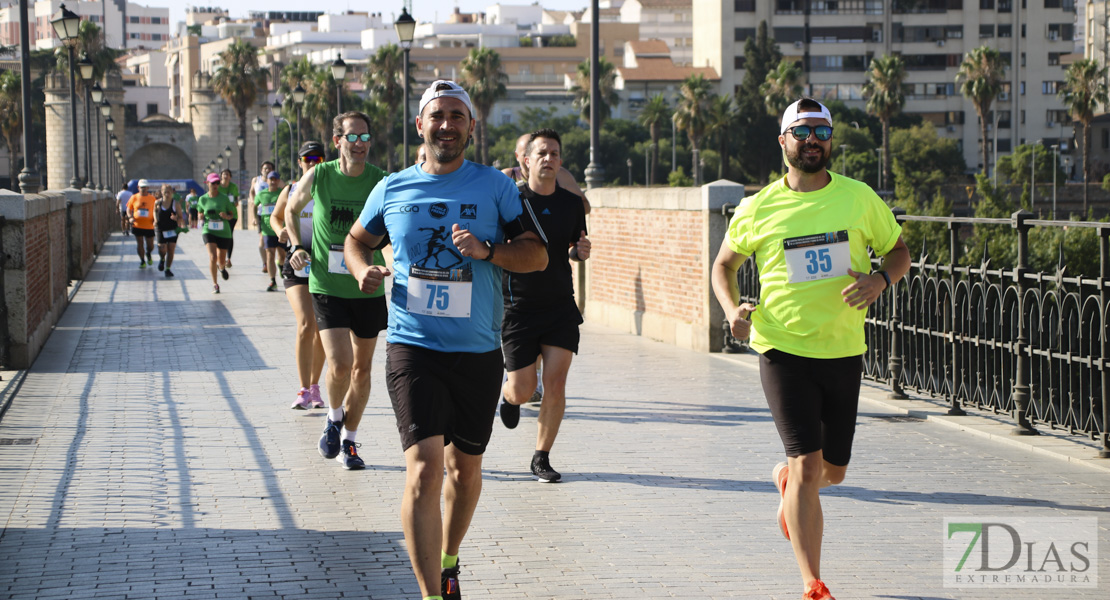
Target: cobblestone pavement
[{"x": 151, "y": 453}]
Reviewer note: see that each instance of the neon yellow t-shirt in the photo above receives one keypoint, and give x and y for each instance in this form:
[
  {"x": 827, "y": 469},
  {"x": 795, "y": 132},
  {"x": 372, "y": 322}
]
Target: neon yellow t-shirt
[{"x": 802, "y": 245}]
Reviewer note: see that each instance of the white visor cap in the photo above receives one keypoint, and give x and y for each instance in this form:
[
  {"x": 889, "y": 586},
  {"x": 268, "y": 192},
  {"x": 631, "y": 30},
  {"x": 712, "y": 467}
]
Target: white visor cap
[{"x": 791, "y": 115}]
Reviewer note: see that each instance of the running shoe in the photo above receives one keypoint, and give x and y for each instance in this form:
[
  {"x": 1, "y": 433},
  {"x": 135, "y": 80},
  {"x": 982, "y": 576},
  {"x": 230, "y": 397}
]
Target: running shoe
[
  {"x": 779, "y": 476},
  {"x": 541, "y": 468},
  {"x": 161, "y": 264},
  {"x": 510, "y": 414},
  {"x": 449, "y": 584},
  {"x": 537, "y": 395},
  {"x": 349, "y": 456},
  {"x": 329, "y": 442},
  {"x": 148, "y": 259},
  {"x": 169, "y": 273},
  {"x": 303, "y": 401},
  {"x": 317, "y": 401},
  {"x": 223, "y": 273},
  {"x": 264, "y": 269},
  {"x": 142, "y": 264},
  {"x": 272, "y": 287},
  {"x": 816, "y": 590},
  {"x": 215, "y": 288},
  {"x": 228, "y": 263}
]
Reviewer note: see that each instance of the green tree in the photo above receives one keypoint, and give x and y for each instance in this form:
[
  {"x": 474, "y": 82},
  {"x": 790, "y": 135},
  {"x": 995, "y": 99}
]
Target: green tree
[
  {"x": 654, "y": 115},
  {"x": 11, "y": 120},
  {"x": 994, "y": 242},
  {"x": 721, "y": 120},
  {"x": 303, "y": 73},
  {"x": 885, "y": 98},
  {"x": 757, "y": 149},
  {"x": 484, "y": 79},
  {"x": 1084, "y": 89},
  {"x": 383, "y": 80},
  {"x": 980, "y": 77},
  {"x": 606, "y": 89},
  {"x": 240, "y": 81},
  {"x": 1015, "y": 166},
  {"x": 923, "y": 162},
  {"x": 782, "y": 86},
  {"x": 692, "y": 114}
]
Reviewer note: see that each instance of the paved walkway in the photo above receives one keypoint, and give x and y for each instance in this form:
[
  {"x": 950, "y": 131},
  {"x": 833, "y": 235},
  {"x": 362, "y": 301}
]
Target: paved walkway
[{"x": 150, "y": 453}]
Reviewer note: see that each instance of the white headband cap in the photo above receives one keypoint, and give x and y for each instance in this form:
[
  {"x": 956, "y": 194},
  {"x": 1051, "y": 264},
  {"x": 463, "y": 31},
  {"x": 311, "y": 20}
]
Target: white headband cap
[
  {"x": 450, "y": 90},
  {"x": 791, "y": 115}
]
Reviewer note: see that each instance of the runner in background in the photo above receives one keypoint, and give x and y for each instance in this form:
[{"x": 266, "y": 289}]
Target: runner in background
[
  {"x": 275, "y": 249},
  {"x": 231, "y": 190},
  {"x": 140, "y": 212},
  {"x": 215, "y": 210},
  {"x": 259, "y": 184},
  {"x": 168, "y": 219}
]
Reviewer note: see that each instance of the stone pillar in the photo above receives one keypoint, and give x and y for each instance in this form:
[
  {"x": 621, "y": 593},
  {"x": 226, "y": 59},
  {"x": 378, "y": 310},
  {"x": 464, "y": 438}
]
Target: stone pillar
[
  {"x": 59, "y": 157},
  {"x": 715, "y": 198}
]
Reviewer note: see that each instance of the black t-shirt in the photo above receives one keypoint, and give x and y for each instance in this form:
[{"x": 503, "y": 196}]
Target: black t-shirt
[
  {"x": 563, "y": 219},
  {"x": 164, "y": 222}
]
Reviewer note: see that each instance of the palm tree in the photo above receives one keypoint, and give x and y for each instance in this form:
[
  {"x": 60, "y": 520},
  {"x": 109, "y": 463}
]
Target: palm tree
[
  {"x": 240, "y": 81},
  {"x": 885, "y": 98},
  {"x": 981, "y": 74},
  {"x": 303, "y": 73},
  {"x": 721, "y": 120},
  {"x": 693, "y": 107},
  {"x": 782, "y": 87},
  {"x": 11, "y": 119},
  {"x": 1084, "y": 89},
  {"x": 606, "y": 89},
  {"x": 654, "y": 114},
  {"x": 484, "y": 80},
  {"x": 383, "y": 80}
]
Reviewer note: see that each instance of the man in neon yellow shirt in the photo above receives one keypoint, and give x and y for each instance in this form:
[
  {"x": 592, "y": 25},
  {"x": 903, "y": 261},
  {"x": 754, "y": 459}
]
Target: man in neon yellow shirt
[{"x": 809, "y": 233}]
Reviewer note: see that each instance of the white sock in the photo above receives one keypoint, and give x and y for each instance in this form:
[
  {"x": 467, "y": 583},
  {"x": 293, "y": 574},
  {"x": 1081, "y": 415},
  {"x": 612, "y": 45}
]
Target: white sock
[
  {"x": 335, "y": 415},
  {"x": 348, "y": 434}
]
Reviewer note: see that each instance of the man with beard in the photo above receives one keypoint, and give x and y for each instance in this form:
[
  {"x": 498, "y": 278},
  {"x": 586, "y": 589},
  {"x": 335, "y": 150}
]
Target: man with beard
[
  {"x": 443, "y": 361},
  {"x": 348, "y": 318},
  {"x": 809, "y": 233}
]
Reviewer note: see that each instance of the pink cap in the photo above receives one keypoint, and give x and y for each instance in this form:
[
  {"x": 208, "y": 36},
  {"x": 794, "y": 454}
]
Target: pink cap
[{"x": 213, "y": 178}]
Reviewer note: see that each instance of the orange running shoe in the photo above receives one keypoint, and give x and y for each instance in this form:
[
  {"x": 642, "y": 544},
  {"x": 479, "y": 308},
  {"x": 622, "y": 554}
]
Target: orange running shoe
[
  {"x": 779, "y": 476},
  {"x": 816, "y": 590}
]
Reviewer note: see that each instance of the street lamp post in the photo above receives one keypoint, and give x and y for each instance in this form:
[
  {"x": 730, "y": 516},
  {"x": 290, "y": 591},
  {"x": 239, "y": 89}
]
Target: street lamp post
[
  {"x": 994, "y": 151},
  {"x": 595, "y": 174},
  {"x": 674, "y": 143},
  {"x": 843, "y": 157},
  {"x": 298, "y": 100},
  {"x": 275, "y": 110},
  {"x": 647, "y": 165},
  {"x": 257, "y": 126},
  {"x": 29, "y": 182},
  {"x": 338, "y": 73},
  {"x": 66, "y": 25},
  {"x": 629, "y": 163},
  {"x": 110, "y": 126},
  {"x": 1055, "y": 167},
  {"x": 879, "y": 154},
  {"x": 97, "y": 99},
  {"x": 1033, "y": 174},
  {"x": 86, "y": 67},
  {"x": 406, "y": 28}
]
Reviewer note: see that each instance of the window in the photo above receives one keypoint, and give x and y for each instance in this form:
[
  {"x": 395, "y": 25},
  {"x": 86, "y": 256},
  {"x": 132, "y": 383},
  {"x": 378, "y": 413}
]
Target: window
[
  {"x": 743, "y": 6},
  {"x": 986, "y": 4},
  {"x": 1005, "y": 6},
  {"x": 738, "y": 63},
  {"x": 133, "y": 20},
  {"x": 986, "y": 31},
  {"x": 131, "y": 112},
  {"x": 1005, "y": 31},
  {"x": 1004, "y": 145},
  {"x": 1004, "y": 117},
  {"x": 1050, "y": 87},
  {"x": 1052, "y": 3},
  {"x": 788, "y": 35},
  {"x": 743, "y": 33},
  {"x": 1054, "y": 59},
  {"x": 151, "y": 109}
]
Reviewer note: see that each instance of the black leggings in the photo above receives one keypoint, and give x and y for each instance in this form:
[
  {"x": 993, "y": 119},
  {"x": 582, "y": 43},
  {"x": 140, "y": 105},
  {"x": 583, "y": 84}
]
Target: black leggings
[{"x": 231, "y": 247}]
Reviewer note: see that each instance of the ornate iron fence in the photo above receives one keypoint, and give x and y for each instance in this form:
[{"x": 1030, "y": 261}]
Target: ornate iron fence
[{"x": 1006, "y": 340}]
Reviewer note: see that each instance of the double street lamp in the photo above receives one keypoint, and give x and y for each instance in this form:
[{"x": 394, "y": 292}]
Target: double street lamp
[
  {"x": 406, "y": 29},
  {"x": 339, "y": 73},
  {"x": 97, "y": 94},
  {"x": 67, "y": 25},
  {"x": 257, "y": 126}
]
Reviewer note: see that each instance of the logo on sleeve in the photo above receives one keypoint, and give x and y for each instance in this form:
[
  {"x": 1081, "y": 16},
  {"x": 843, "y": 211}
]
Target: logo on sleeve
[
  {"x": 438, "y": 210},
  {"x": 468, "y": 211}
]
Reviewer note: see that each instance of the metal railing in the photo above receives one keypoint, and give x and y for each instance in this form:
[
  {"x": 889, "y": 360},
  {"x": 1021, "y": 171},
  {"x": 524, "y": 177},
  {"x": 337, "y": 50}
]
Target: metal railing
[{"x": 1030, "y": 344}]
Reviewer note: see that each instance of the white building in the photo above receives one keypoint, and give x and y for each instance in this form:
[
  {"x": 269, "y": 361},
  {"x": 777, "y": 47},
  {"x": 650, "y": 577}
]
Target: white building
[
  {"x": 125, "y": 24},
  {"x": 668, "y": 20}
]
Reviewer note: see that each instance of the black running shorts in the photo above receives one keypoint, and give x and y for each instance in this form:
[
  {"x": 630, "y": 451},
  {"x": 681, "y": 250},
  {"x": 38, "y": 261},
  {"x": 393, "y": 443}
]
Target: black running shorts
[
  {"x": 289, "y": 277},
  {"x": 453, "y": 394},
  {"x": 271, "y": 241},
  {"x": 365, "y": 317},
  {"x": 166, "y": 240},
  {"x": 135, "y": 231},
  {"x": 223, "y": 243},
  {"x": 522, "y": 333},
  {"x": 814, "y": 402}
]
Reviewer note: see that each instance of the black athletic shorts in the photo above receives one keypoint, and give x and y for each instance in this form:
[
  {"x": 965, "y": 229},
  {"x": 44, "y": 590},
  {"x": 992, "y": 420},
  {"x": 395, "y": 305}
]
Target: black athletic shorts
[
  {"x": 167, "y": 240},
  {"x": 365, "y": 317},
  {"x": 193, "y": 215},
  {"x": 522, "y": 333},
  {"x": 271, "y": 241},
  {"x": 223, "y": 243},
  {"x": 137, "y": 232},
  {"x": 289, "y": 276},
  {"x": 453, "y": 394},
  {"x": 814, "y": 402}
]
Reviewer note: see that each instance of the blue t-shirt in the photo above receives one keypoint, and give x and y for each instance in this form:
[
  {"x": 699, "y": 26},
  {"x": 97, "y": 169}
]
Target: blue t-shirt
[{"x": 442, "y": 300}]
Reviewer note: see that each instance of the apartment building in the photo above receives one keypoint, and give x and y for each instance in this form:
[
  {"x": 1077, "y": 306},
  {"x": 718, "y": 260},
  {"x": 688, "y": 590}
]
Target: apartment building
[
  {"x": 126, "y": 24},
  {"x": 671, "y": 21},
  {"x": 835, "y": 41}
]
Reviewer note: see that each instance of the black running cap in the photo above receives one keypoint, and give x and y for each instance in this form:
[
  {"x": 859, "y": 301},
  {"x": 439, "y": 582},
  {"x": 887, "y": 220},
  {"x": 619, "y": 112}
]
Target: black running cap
[{"x": 314, "y": 148}]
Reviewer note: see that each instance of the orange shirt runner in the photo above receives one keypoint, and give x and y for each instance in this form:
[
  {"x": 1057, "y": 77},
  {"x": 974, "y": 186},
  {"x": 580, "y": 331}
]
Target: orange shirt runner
[{"x": 142, "y": 210}]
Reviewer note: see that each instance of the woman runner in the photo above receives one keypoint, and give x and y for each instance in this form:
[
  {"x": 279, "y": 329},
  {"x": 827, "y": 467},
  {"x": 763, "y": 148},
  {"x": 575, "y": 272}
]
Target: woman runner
[{"x": 216, "y": 210}]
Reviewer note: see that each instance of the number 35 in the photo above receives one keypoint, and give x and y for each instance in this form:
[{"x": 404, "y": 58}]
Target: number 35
[{"x": 819, "y": 262}]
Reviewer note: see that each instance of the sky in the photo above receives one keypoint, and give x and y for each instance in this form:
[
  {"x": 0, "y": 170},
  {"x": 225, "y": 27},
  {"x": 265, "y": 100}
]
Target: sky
[{"x": 422, "y": 10}]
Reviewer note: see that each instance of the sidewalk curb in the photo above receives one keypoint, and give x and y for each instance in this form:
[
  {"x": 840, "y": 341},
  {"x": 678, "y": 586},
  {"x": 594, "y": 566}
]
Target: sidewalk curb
[{"x": 1055, "y": 444}]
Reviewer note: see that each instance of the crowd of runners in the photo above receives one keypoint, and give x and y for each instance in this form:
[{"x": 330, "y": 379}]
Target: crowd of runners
[{"x": 480, "y": 316}]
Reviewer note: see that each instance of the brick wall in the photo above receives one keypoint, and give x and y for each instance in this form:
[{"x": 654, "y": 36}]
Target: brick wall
[{"x": 649, "y": 268}]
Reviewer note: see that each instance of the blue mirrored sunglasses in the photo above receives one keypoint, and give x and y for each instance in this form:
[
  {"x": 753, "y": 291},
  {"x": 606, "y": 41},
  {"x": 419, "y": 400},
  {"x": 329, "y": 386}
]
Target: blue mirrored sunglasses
[
  {"x": 357, "y": 137},
  {"x": 801, "y": 132}
]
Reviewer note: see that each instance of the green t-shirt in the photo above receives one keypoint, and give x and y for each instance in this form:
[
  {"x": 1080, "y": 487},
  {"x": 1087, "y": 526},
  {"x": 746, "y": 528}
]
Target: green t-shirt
[
  {"x": 265, "y": 201},
  {"x": 232, "y": 192},
  {"x": 191, "y": 201},
  {"x": 802, "y": 244},
  {"x": 211, "y": 208},
  {"x": 339, "y": 202}
]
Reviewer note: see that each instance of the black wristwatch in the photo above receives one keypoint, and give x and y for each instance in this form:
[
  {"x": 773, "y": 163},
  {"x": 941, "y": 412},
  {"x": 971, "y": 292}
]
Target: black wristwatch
[
  {"x": 297, "y": 247},
  {"x": 489, "y": 246},
  {"x": 886, "y": 277}
]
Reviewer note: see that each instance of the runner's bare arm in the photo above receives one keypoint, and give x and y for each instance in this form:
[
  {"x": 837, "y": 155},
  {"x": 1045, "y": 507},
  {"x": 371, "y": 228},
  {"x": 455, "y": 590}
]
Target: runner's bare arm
[
  {"x": 297, "y": 201},
  {"x": 277, "y": 218},
  {"x": 358, "y": 253},
  {"x": 523, "y": 254},
  {"x": 727, "y": 291},
  {"x": 866, "y": 289}
]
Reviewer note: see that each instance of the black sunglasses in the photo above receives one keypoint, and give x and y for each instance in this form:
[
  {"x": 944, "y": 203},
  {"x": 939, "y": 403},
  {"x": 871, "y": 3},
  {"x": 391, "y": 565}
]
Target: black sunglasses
[{"x": 801, "y": 132}]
